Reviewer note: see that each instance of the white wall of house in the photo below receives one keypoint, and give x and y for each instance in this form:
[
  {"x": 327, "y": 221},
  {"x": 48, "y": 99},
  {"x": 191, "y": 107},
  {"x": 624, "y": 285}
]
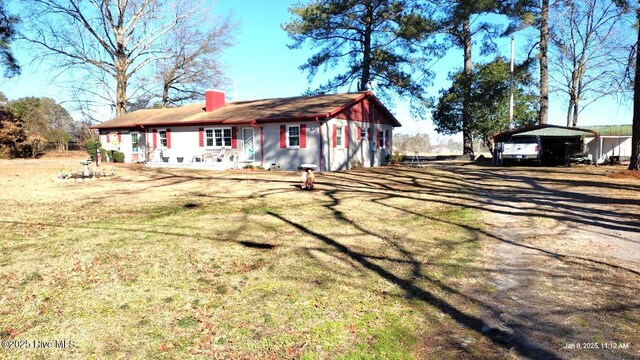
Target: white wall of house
[
  {"x": 291, "y": 156},
  {"x": 265, "y": 140},
  {"x": 361, "y": 150}
]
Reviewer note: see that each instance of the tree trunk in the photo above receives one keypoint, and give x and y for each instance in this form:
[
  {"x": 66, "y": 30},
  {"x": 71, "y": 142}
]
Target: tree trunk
[
  {"x": 635, "y": 135},
  {"x": 366, "y": 53},
  {"x": 121, "y": 88},
  {"x": 165, "y": 95},
  {"x": 467, "y": 142},
  {"x": 569, "y": 110},
  {"x": 544, "y": 69},
  {"x": 576, "y": 104}
]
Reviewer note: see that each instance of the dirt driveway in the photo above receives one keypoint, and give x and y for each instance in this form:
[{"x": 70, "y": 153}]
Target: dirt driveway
[{"x": 563, "y": 258}]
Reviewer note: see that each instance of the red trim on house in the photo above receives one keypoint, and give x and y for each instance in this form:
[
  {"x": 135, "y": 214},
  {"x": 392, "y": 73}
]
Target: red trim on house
[
  {"x": 386, "y": 139},
  {"x": 283, "y": 136},
  {"x": 168, "y": 138},
  {"x": 303, "y": 136},
  {"x": 346, "y": 136},
  {"x": 369, "y": 133},
  {"x": 359, "y": 134},
  {"x": 155, "y": 138},
  {"x": 119, "y": 138},
  {"x": 262, "y": 146},
  {"x": 201, "y": 137},
  {"x": 234, "y": 137},
  {"x": 335, "y": 135},
  {"x": 107, "y": 135}
]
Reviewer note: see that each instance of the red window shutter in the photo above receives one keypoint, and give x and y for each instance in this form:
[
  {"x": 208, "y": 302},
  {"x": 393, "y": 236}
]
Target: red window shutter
[
  {"x": 303, "y": 136},
  {"x": 379, "y": 138},
  {"x": 283, "y": 136},
  {"x": 108, "y": 140},
  {"x": 234, "y": 137},
  {"x": 359, "y": 135},
  {"x": 346, "y": 136},
  {"x": 155, "y": 138},
  {"x": 386, "y": 139},
  {"x": 201, "y": 136},
  {"x": 119, "y": 138},
  {"x": 168, "y": 138},
  {"x": 335, "y": 135}
]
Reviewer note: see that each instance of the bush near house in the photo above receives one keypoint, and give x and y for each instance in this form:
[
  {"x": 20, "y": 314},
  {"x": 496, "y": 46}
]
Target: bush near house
[
  {"x": 92, "y": 146},
  {"x": 118, "y": 157},
  {"x": 105, "y": 155}
]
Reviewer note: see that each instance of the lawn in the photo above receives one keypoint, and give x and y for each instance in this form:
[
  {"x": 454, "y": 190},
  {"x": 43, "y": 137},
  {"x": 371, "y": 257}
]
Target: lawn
[
  {"x": 170, "y": 263},
  {"x": 159, "y": 263}
]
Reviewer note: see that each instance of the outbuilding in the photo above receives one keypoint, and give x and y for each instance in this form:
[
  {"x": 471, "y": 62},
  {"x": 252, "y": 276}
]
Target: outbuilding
[
  {"x": 335, "y": 132},
  {"x": 559, "y": 143}
]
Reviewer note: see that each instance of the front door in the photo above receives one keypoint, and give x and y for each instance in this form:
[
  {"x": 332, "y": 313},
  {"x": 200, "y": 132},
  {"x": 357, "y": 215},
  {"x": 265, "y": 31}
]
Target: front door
[{"x": 247, "y": 141}]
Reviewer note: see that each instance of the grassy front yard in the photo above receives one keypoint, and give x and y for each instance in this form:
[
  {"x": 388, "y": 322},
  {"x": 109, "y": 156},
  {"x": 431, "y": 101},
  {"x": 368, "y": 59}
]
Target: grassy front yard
[
  {"x": 158, "y": 263},
  {"x": 161, "y": 263}
]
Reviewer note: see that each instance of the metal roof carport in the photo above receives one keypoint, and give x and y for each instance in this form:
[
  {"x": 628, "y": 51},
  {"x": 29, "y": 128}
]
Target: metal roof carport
[{"x": 547, "y": 133}]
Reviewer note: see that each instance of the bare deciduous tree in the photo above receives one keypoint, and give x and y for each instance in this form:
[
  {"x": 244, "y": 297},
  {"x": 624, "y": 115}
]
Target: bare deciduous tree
[
  {"x": 111, "y": 46},
  {"x": 587, "y": 44},
  {"x": 192, "y": 62}
]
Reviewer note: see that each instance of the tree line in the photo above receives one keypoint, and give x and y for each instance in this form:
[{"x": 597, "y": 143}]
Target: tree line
[
  {"x": 581, "y": 49},
  {"x": 28, "y": 124},
  {"x": 137, "y": 54}
]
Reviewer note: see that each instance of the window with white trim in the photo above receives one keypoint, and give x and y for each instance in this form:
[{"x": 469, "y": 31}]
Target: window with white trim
[
  {"x": 134, "y": 142},
  {"x": 208, "y": 135},
  {"x": 293, "y": 136},
  {"x": 162, "y": 134},
  {"x": 383, "y": 139},
  {"x": 340, "y": 136},
  {"x": 218, "y": 137}
]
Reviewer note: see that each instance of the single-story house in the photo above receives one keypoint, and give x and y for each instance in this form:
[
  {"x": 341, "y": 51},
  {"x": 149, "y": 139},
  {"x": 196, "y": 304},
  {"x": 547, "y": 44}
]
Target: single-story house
[
  {"x": 600, "y": 143},
  {"x": 334, "y": 132}
]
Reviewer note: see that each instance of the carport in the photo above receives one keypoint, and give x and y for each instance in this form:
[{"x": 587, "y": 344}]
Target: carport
[{"x": 559, "y": 143}]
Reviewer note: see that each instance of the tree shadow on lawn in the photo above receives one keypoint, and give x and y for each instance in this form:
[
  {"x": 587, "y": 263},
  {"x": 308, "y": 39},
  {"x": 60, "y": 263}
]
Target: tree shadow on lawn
[
  {"x": 449, "y": 186},
  {"x": 399, "y": 183}
]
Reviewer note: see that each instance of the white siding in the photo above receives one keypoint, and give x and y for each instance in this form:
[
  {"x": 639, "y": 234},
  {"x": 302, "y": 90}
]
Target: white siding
[
  {"x": 364, "y": 151},
  {"x": 291, "y": 158}
]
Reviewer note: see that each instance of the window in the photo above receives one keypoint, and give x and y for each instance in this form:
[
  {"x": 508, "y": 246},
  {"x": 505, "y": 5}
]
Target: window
[
  {"x": 163, "y": 138},
  {"x": 381, "y": 139},
  {"x": 209, "y": 137},
  {"x": 363, "y": 133},
  {"x": 339, "y": 136},
  {"x": 134, "y": 142},
  {"x": 217, "y": 137},
  {"x": 294, "y": 135}
]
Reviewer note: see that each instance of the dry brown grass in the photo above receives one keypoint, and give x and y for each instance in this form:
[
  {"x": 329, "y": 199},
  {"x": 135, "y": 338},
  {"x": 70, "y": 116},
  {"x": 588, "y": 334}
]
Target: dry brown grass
[{"x": 382, "y": 263}]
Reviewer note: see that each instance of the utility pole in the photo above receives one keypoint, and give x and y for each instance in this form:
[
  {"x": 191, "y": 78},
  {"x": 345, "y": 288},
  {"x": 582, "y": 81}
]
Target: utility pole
[{"x": 511, "y": 88}]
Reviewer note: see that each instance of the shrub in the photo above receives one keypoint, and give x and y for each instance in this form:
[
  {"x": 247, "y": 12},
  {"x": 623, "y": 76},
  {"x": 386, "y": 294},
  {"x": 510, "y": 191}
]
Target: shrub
[
  {"x": 395, "y": 158},
  {"x": 106, "y": 155},
  {"x": 118, "y": 157},
  {"x": 92, "y": 147}
]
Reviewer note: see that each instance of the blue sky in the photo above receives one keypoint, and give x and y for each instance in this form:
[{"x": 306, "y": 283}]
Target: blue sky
[{"x": 262, "y": 66}]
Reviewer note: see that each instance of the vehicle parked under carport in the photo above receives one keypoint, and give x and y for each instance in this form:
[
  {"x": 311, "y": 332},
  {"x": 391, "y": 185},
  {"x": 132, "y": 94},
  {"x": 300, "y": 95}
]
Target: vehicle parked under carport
[{"x": 558, "y": 145}]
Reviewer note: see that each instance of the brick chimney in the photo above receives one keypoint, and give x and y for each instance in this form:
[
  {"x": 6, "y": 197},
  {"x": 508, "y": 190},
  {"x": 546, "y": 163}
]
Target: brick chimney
[{"x": 213, "y": 100}]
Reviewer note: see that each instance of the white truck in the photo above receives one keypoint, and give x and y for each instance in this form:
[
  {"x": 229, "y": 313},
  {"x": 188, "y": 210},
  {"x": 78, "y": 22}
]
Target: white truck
[{"x": 522, "y": 148}]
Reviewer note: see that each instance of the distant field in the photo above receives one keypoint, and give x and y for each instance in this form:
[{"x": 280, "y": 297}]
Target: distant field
[{"x": 159, "y": 263}]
